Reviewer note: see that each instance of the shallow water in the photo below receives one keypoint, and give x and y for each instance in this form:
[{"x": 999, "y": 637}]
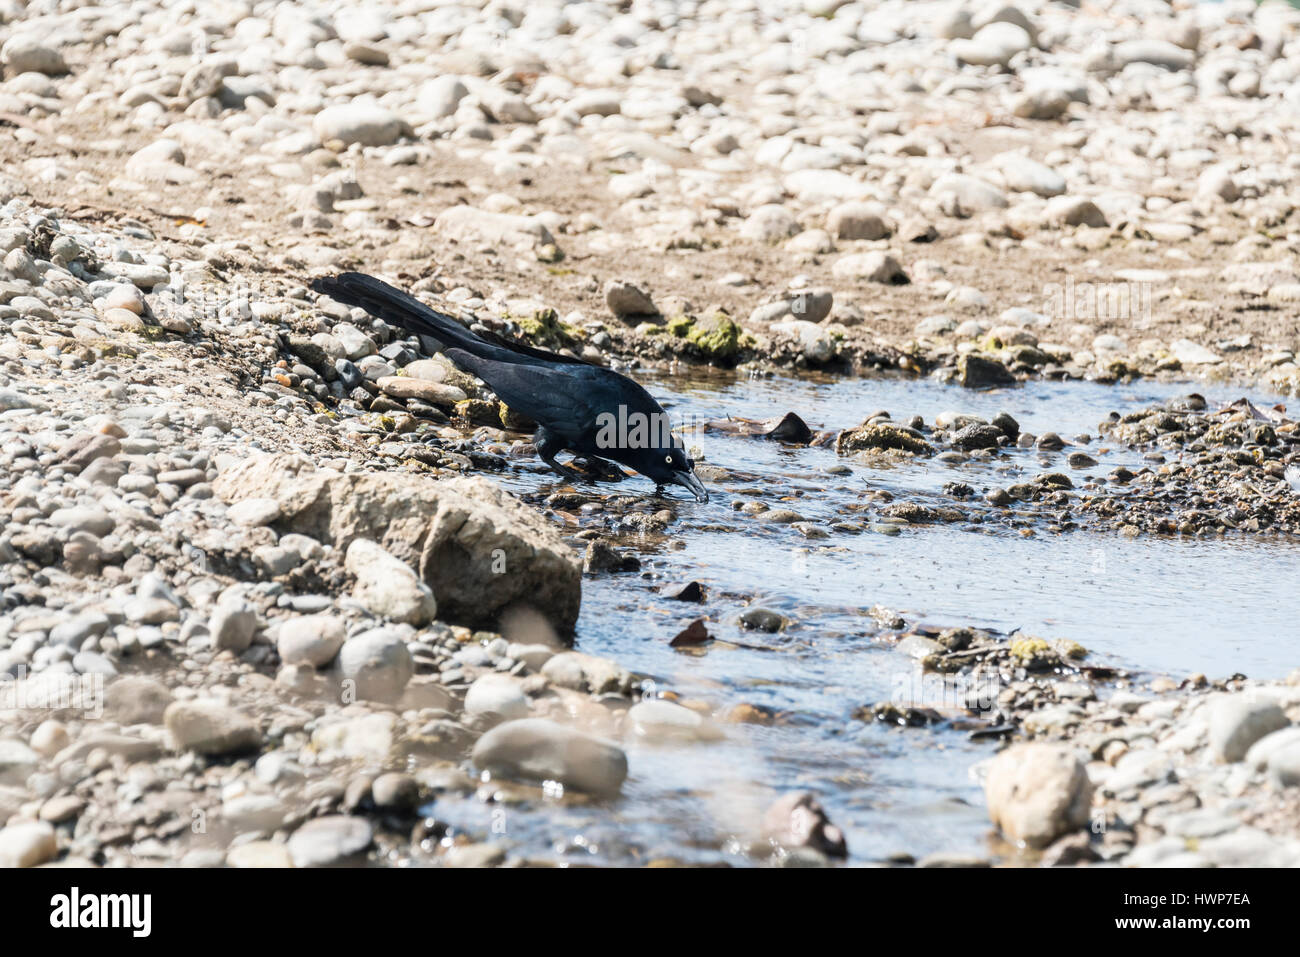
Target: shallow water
[{"x": 1149, "y": 604}]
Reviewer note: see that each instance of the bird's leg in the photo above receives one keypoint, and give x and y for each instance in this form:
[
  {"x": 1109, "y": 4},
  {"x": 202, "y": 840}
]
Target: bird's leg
[
  {"x": 548, "y": 447},
  {"x": 597, "y": 468}
]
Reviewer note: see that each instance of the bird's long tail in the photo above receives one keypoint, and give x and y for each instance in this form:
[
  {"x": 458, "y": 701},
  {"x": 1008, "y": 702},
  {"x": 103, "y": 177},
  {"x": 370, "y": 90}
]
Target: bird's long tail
[{"x": 396, "y": 307}]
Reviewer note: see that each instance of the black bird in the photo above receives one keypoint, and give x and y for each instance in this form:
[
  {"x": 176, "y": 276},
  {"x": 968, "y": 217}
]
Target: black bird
[{"x": 584, "y": 408}]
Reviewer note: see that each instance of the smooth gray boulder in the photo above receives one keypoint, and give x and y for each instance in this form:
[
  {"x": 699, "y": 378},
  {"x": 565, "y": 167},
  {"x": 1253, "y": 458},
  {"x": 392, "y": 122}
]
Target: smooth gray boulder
[{"x": 480, "y": 550}]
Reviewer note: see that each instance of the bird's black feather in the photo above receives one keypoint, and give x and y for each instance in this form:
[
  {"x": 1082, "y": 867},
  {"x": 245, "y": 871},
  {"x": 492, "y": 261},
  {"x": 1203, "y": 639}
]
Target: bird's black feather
[{"x": 571, "y": 400}]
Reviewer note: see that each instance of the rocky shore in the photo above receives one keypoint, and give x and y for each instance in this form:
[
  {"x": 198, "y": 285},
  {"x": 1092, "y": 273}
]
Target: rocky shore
[{"x": 264, "y": 599}]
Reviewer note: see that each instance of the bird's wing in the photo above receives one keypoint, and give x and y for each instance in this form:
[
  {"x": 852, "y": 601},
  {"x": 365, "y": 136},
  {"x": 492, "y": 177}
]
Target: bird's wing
[{"x": 559, "y": 397}]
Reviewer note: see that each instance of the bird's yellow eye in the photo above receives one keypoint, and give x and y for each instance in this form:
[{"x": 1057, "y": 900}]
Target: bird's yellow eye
[{"x": 668, "y": 459}]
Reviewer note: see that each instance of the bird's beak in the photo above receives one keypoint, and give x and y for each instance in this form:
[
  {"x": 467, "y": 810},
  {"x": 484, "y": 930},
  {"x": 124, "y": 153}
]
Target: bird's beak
[{"x": 688, "y": 480}]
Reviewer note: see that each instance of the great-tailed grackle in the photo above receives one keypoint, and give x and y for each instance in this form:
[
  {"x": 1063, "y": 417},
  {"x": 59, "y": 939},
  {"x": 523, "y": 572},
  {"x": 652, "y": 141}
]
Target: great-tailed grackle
[{"x": 589, "y": 410}]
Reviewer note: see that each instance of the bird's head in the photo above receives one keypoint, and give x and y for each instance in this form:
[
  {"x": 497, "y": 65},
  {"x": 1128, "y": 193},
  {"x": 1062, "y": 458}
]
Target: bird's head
[{"x": 670, "y": 465}]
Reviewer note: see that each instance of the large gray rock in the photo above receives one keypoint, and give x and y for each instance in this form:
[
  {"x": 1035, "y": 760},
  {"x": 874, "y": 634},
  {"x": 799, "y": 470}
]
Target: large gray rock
[
  {"x": 1037, "y": 792},
  {"x": 539, "y": 750},
  {"x": 479, "y": 549}
]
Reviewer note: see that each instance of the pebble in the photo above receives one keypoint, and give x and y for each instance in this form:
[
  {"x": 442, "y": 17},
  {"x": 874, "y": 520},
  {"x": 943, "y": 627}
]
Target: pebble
[
  {"x": 311, "y": 639},
  {"x": 659, "y": 721},
  {"x": 1037, "y": 792},
  {"x": 330, "y": 841},
  {"x": 210, "y": 728},
  {"x": 27, "y": 844},
  {"x": 537, "y": 749},
  {"x": 232, "y": 626},
  {"x": 358, "y": 122},
  {"x": 498, "y": 695},
  {"x": 388, "y": 587},
  {"x": 377, "y": 663},
  {"x": 1237, "y": 723}
]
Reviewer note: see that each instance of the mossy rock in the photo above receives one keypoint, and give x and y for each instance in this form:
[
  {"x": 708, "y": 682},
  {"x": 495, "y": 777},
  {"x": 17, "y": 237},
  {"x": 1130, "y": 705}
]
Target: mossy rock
[
  {"x": 881, "y": 436},
  {"x": 545, "y": 329},
  {"x": 679, "y": 326},
  {"x": 479, "y": 412},
  {"x": 515, "y": 421},
  {"x": 1034, "y": 654},
  {"x": 717, "y": 336},
  {"x": 1071, "y": 649}
]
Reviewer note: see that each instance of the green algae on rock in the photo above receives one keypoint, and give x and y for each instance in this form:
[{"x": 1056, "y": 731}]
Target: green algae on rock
[{"x": 881, "y": 436}]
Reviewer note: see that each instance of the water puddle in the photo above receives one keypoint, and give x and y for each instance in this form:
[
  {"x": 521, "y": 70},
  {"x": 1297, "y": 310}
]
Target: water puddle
[{"x": 1163, "y": 605}]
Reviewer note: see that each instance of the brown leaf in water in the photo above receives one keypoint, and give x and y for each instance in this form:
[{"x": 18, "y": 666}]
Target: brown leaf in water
[
  {"x": 788, "y": 428},
  {"x": 693, "y": 634}
]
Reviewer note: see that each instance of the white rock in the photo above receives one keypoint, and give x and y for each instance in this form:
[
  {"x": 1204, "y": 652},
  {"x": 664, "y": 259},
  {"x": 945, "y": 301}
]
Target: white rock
[
  {"x": 658, "y": 720},
  {"x": 497, "y": 694},
  {"x": 874, "y": 266},
  {"x": 387, "y": 586},
  {"x": 358, "y": 122},
  {"x": 536, "y": 749},
  {"x": 27, "y": 844},
  {"x": 254, "y": 512},
  {"x": 993, "y": 45},
  {"x": 1193, "y": 354},
  {"x": 311, "y": 639},
  {"x": 1037, "y": 792},
  {"x": 1236, "y": 723},
  {"x": 377, "y": 664},
  {"x": 26, "y": 53}
]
